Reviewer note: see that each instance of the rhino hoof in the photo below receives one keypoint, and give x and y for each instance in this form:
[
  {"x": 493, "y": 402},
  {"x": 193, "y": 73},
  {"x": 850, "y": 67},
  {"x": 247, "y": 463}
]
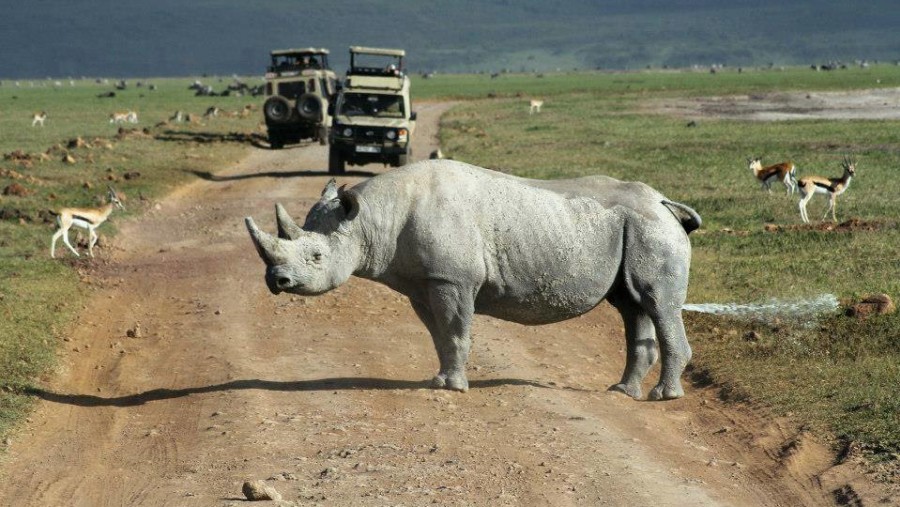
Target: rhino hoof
[
  {"x": 663, "y": 392},
  {"x": 633, "y": 391},
  {"x": 451, "y": 382}
]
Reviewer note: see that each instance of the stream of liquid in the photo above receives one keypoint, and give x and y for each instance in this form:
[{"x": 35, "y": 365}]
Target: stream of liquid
[{"x": 806, "y": 311}]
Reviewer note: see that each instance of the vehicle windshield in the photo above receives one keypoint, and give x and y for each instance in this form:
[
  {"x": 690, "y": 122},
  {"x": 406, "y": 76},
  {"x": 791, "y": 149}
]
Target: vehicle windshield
[{"x": 372, "y": 104}]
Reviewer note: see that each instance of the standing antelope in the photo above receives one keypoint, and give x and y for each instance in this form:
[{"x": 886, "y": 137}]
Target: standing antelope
[
  {"x": 38, "y": 118},
  {"x": 785, "y": 172},
  {"x": 122, "y": 117},
  {"x": 86, "y": 218},
  {"x": 535, "y": 106},
  {"x": 831, "y": 187}
]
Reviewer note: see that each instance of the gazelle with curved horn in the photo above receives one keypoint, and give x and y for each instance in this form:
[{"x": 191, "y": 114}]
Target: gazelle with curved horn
[
  {"x": 830, "y": 187},
  {"x": 86, "y": 218}
]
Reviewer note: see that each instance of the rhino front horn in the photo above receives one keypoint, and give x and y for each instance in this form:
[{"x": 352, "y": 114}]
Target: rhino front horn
[
  {"x": 265, "y": 243},
  {"x": 287, "y": 228}
]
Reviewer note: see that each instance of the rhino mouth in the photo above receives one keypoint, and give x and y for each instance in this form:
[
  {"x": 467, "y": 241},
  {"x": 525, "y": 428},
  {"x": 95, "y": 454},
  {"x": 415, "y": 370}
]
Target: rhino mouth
[{"x": 277, "y": 282}]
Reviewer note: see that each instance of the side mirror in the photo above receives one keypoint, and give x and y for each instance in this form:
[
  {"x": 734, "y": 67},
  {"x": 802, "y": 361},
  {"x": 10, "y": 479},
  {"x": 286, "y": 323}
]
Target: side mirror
[{"x": 412, "y": 116}]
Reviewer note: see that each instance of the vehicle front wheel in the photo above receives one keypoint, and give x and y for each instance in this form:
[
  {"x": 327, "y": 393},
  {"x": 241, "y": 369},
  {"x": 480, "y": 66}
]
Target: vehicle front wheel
[
  {"x": 336, "y": 163},
  {"x": 403, "y": 158},
  {"x": 276, "y": 142}
]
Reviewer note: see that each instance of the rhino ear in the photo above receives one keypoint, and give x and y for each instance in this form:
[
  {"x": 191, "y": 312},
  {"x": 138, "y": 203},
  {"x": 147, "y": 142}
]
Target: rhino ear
[
  {"x": 330, "y": 192},
  {"x": 349, "y": 202}
]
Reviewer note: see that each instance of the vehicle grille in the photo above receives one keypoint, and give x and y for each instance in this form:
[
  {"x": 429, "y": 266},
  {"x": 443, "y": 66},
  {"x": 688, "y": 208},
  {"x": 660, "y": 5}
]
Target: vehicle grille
[{"x": 369, "y": 134}]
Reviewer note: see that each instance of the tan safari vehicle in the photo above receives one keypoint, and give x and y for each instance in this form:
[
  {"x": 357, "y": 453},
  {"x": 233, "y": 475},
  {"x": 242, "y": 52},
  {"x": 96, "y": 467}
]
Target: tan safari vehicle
[
  {"x": 299, "y": 88},
  {"x": 372, "y": 118}
]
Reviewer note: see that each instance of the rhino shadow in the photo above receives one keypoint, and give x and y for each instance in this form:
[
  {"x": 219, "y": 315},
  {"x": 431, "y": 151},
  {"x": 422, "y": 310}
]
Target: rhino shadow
[{"x": 329, "y": 384}]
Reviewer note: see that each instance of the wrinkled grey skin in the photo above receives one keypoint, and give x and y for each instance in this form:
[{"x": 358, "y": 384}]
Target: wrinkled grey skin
[{"x": 458, "y": 240}]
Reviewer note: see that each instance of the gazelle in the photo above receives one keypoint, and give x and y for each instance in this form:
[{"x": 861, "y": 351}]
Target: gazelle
[
  {"x": 38, "y": 118},
  {"x": 535, "y": 106},
  {"x": 86, "y": 218},
  {"x": 122, "y": 117},
  {"x": 831, "y": 187},
  {"x": 785, "y": 172}
]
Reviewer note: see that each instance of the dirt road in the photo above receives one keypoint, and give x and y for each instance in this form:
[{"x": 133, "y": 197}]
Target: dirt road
[{"x": 325, "y": 396}]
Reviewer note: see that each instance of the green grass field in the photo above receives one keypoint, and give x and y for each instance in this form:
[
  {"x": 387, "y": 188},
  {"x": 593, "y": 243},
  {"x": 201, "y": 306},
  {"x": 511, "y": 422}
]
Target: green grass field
[{"x": 838, "y": 377}]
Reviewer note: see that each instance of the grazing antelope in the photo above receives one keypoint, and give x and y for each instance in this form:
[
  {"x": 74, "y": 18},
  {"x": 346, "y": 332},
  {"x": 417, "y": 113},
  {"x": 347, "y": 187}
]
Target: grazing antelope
[
  {"x": 212, "y": 112},
  {"x": 831, "y": 187},
  {"x": 86, "y": 218},
  {"x": 122, "y": 117},
  {"x": 785, "y": 172},
  {"x": 178, "y": 117},
  {"x": 38, "y": 118},
  {"x": 535, "y": 106}
]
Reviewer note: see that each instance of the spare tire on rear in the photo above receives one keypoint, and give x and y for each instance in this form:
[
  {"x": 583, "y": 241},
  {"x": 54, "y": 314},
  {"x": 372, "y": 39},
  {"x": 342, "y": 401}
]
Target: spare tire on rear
[
  {"x": 277, "y": 109},
  {"x": 309, "y": 107}
]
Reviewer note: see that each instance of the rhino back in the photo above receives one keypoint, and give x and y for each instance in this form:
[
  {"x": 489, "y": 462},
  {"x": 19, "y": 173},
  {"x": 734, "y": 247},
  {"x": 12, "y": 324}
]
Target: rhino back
[{"x": 534, "y": 251}]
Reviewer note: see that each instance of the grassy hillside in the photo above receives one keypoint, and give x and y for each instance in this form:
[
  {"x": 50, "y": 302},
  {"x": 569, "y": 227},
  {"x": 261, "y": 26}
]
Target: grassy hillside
[{"x": 169, "y": 37}]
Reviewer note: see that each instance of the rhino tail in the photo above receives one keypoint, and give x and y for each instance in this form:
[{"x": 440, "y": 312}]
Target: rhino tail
[{"x": 689, "y": 218}]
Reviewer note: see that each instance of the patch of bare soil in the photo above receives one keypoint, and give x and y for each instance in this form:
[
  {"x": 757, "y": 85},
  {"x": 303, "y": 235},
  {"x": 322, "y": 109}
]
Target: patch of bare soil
[
  {"x": 875, "y": 104},
  {"x": 184, "y": 378},
  {"x": 851, "y": 225}
]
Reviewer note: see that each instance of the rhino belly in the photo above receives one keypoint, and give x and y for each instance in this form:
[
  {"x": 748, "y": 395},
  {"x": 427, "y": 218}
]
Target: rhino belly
[{"x": 542, "y": 300}]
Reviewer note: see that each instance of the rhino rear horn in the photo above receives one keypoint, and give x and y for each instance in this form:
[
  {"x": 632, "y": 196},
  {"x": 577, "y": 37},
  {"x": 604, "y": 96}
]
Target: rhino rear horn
[
  {"x": 287, "y": 228},
  {"x": 265, "y": 243}
]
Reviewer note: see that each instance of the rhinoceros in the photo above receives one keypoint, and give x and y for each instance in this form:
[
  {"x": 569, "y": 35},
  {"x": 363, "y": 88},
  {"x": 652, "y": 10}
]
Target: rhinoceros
[{"x": 457, "y": 240}]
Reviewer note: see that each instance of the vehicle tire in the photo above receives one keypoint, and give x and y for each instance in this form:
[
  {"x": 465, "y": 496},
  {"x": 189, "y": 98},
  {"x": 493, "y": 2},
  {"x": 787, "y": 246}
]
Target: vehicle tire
[
  {"x": 277, "y": 109},
  {"x": 336, "y": 163},
  {"x": 403, "y": 158},
  {"x": 275, "y": 141},
  {"x": 309, "y": 107}
]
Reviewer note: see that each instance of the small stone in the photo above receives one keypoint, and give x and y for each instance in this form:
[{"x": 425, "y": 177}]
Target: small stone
[{"x": 258, "y": 490}]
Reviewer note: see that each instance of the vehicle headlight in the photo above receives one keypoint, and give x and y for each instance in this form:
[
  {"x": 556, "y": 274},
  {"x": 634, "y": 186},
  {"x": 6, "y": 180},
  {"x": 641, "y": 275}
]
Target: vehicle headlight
[
  {"x": 347, "y": 132},
  {"x": 391, "y": 135}
]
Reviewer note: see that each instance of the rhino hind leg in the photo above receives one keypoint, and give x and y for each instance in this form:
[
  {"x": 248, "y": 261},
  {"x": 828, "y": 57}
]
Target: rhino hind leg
[
  {"x": 640, "y": 344},
  {"x": 448, "y": 317},
  {"x": 676, "y": 352}
]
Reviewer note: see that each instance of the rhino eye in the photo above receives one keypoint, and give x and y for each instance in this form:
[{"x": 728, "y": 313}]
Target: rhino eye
[{"x": 317, "y": 256}]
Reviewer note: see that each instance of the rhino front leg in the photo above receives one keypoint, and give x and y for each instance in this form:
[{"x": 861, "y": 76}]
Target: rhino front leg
[
  {"x": 641, "y": 350},
  {"x": 448, "y": 317}
]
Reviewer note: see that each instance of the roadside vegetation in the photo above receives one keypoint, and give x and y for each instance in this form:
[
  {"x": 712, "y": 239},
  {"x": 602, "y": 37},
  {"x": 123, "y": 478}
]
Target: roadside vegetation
[
  {"x": 839, "y": 375},
  {"x": 39, "y": 296}
]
